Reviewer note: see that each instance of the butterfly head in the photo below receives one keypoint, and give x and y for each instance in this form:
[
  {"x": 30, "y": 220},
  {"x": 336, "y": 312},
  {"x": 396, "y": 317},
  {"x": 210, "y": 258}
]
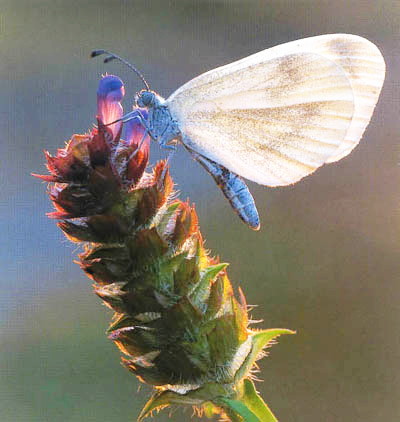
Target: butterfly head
[{"x": 148, "y": 99}]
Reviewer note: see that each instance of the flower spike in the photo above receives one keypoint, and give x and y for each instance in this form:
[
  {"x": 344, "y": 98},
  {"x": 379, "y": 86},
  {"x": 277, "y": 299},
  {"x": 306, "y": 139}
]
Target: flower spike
[{"x": 178, "y": 321}]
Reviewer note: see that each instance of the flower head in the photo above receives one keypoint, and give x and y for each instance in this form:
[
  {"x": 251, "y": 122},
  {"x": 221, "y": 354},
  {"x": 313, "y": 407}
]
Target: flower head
[
  {"x": 100, "y": 160},
  {"x": 110, "y": 93}
]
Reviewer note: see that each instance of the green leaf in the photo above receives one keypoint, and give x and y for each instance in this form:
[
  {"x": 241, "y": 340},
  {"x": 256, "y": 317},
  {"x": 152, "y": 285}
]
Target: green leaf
[
  {"x": 161, "y": 400},
  {"x": 165, "y": 217},
  {"x": 212, "y": 271},
  {"x": 255, "y": 403},
  {"x": 210, "y": 409},
  {"x": 239, "y": 408},
  {"x": 220, "y": 293},
  {"x": 192, "y": 398},
  {"x": 157, "y": 401},
  {"x": 260, "y": 340},
  {"x": 201, "y": 291},
  {"x": 248, "y": 406}
]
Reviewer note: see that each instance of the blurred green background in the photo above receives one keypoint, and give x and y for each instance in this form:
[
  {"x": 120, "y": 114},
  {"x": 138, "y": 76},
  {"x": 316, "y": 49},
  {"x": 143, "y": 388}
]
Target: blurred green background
[{"x": 325, "y": 263}]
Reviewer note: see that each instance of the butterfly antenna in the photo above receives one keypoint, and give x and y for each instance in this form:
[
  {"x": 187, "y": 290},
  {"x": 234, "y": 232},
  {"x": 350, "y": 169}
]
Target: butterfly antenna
[{"x": 112, "y": 56}]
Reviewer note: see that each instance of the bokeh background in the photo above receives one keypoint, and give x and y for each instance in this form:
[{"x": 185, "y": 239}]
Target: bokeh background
[{"x": 326, "y": 261}]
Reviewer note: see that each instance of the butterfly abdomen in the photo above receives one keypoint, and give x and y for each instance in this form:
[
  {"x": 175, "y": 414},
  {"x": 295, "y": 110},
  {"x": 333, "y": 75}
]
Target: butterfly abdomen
[
  {"x": 234, "y": 188},
  {"x": 239, "y": 196}
]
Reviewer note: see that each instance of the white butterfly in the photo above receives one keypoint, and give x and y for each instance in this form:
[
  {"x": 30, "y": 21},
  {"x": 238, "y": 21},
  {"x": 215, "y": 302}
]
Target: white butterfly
[{"x": 273, "y": 117}]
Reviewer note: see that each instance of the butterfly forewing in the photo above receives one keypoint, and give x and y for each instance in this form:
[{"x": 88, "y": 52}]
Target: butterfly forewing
[
  {"x": 276, "y": 116},
  {"x": 364, "y": 66},
  {"x": 272, "y": 122}
]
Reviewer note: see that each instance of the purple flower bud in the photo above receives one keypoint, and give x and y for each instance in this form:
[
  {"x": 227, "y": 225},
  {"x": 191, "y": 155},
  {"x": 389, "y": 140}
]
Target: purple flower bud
[
  {"x": 139, "y": 142},
  {"x": 109, "y": 96},
  {"x": 134, "y": 131}
]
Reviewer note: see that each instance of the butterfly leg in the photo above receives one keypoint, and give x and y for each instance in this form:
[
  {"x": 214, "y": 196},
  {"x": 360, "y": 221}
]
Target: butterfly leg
[
  {"x": 170, "y": 132},
  {"x": 136, "y": 114},
  {"x": 166, "y": 145},
  {"x": 139, "y": 146},
  {"x": 172, "y": 149}
]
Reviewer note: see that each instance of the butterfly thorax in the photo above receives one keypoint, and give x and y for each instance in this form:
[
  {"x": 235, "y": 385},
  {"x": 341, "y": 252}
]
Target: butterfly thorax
[{"x": 161, "y": 125}]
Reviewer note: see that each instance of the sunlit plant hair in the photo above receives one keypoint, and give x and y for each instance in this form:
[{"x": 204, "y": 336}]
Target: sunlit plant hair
[{"x": 177, "y": 320}]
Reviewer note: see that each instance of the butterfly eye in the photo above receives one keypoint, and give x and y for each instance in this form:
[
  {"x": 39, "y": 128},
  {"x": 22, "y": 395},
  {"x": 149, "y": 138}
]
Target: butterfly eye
[{"x": 145, "y": 99}]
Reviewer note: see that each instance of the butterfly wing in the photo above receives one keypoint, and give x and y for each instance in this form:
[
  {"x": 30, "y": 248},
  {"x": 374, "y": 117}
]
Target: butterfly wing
[
  {"x": 279, "y": 114},
  {"x": 364, "y": 65}
]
